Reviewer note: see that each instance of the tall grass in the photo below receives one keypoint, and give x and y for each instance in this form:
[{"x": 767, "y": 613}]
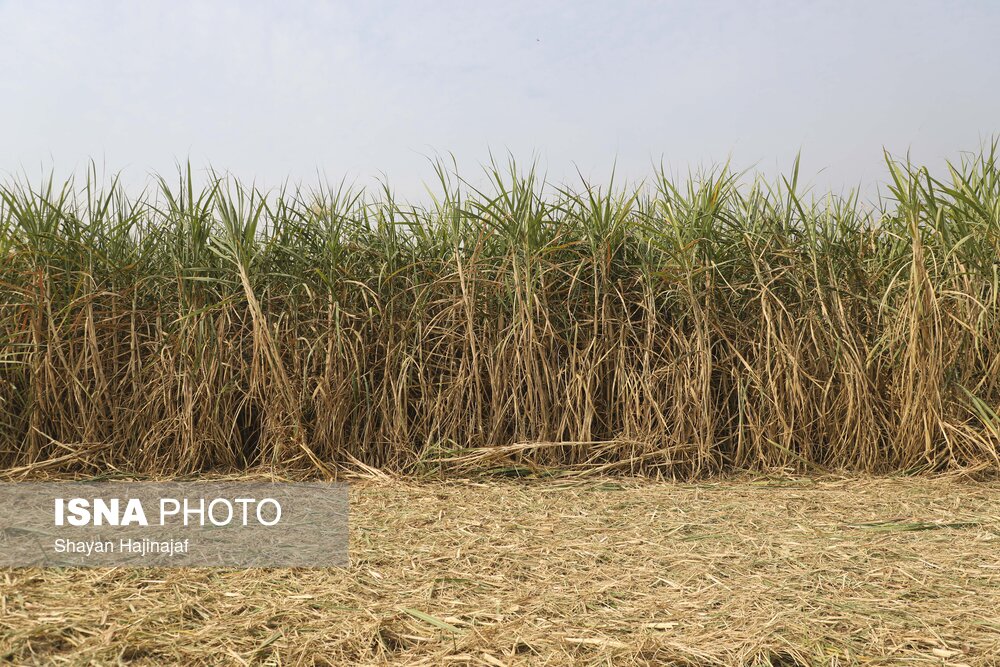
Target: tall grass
[{"x": 680, "y": 327}]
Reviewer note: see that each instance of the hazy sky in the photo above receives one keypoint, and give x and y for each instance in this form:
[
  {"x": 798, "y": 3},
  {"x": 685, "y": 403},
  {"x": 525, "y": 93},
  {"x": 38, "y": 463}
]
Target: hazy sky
[{"x": 286, "y": 89}]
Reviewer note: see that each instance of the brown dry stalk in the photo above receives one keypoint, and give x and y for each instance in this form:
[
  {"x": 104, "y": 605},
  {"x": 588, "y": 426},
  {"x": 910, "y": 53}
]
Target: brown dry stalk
[{"x": 678, "y": 330}]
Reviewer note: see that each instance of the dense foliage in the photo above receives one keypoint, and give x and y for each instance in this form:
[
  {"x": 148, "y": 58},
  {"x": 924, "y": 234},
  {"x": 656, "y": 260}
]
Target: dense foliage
[{"x": 681, "y": 328}]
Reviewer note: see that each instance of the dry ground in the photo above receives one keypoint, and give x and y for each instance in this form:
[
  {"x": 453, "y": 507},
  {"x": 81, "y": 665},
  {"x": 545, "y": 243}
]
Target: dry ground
[{"x": 798, "y": 572}]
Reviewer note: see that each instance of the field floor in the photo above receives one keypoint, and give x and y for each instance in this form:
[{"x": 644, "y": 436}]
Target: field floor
[{"x": 793, "y": 572}]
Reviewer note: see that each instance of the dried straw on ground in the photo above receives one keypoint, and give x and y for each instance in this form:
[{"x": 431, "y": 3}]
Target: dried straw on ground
[{"x": 806, "y": 572}]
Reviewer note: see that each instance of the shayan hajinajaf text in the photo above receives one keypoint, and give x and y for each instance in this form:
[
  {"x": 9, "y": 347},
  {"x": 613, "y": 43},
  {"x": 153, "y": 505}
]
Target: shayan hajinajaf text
[{"x": 139, "y": 547}]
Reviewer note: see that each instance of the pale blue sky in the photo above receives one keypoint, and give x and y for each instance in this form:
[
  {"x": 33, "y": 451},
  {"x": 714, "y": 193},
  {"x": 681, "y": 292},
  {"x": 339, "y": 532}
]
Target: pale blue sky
[{"x": 279, "y": 89}]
